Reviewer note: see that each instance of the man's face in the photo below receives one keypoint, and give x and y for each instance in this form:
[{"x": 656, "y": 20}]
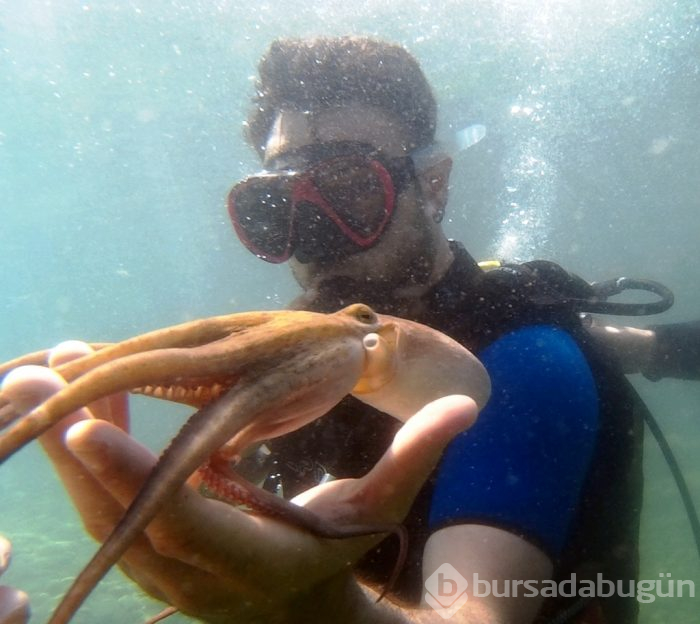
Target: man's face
[{"x": 402, "y": 257}]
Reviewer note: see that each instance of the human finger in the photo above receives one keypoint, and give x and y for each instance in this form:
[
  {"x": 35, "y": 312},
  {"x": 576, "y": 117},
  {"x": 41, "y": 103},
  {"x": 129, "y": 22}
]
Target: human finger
[
  {"x": 385, "y": 494},
  {"x": 116, "y": 466},
  {"x": 205, "y": 533},
  {"x": 5, "y": 553},
  {"x": 28, "y": 386},
  {"x": 114, "y": 408},
  {"x": 122, "y": 465},
  {"x": 417, "y": 447},
  {"x": 14, "y": 604}
]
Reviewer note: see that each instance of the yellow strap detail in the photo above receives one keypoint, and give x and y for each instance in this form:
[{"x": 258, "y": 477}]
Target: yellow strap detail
[{"x": 488, "y": 265}]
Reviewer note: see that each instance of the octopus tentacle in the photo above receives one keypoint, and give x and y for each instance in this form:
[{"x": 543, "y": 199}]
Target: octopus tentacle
[
  {"x": 38, "y": 358},
  {"x": 189, "y": 334},
  {"x": 231, "y": 343}
]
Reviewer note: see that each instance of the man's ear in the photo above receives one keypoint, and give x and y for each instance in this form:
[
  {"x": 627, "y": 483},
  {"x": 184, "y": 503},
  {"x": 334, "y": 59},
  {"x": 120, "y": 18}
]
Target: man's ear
[{"x": 434, "y": 184}]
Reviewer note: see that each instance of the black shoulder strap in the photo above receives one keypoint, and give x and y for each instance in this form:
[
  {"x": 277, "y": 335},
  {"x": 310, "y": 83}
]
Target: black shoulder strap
[{"x": 476, "y": 307}]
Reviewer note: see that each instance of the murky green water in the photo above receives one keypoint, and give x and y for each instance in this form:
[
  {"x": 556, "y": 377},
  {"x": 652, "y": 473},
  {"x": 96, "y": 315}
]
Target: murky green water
[{"x": 120, "y": 135}]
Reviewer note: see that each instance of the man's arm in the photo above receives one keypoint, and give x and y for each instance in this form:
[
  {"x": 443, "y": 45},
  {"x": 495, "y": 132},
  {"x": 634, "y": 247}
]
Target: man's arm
[
  {"x": 497, "y": 557},
  {"x": 632, "y": 347},
  {"x": 522, "y": 468},
  {"x": 661, "y": 351},
  {"x": 500, "y": 559}
]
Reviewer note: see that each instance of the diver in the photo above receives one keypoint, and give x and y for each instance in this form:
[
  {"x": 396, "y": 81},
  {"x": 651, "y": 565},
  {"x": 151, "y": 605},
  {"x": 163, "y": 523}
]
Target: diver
[{"x": 546, "y": 484}]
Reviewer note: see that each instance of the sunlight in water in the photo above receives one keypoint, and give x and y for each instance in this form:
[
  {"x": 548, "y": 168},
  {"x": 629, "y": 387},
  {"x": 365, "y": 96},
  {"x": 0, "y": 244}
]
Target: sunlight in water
[
  {"x": 530, "y": 192},
  {"x": 563, "y": 33}
]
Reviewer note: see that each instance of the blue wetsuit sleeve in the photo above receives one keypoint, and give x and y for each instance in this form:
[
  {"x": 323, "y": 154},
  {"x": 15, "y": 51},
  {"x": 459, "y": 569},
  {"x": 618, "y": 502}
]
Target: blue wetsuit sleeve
[{"x": 522, "y": 466}]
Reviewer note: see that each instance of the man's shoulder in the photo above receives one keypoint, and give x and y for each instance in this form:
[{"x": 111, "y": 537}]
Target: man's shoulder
[
  {"x": 541, "y": 365},
  {"x": 546, "y": 343}
]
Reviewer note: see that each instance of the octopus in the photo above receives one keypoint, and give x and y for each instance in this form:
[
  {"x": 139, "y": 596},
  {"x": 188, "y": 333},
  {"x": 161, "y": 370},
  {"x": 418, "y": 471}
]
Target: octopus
[{"x": 251, "y": 377}]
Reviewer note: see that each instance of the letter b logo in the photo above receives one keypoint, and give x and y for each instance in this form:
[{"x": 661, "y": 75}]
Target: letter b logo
[
  {"x": 446, "y": 586},
  {"x": 445, "y": 590}
]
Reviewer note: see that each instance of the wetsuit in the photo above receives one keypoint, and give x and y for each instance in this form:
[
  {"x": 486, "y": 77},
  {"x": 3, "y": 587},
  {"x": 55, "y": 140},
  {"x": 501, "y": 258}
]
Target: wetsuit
[
  {"x": 676, "y": 352},
  {"x": 555, "y": 457}
]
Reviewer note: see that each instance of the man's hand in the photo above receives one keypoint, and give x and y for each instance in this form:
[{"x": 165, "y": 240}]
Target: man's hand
[{"x": 212, "y": 560}]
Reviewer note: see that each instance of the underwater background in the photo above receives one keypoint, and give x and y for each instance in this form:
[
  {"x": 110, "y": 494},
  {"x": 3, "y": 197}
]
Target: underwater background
[{"x": 121, "y": 133}]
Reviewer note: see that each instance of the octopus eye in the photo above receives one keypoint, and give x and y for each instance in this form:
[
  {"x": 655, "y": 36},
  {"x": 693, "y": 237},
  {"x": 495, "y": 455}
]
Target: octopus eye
[{"x": 364, "y": 314}]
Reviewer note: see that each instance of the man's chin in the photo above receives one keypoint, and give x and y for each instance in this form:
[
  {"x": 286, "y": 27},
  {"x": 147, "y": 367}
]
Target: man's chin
[
  {"x": 312, "y": 274},
  {"x": 338, "y": 291}
]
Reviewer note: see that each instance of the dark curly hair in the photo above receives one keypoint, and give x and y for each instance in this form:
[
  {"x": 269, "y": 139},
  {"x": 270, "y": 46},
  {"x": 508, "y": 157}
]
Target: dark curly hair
[{"x": 315, "y": 74}]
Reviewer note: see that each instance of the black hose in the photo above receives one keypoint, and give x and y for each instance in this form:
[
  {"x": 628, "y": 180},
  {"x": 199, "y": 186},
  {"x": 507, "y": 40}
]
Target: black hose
[
  {"x": 678, "y": 477},
  {"x": 603, "y": 290}
]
